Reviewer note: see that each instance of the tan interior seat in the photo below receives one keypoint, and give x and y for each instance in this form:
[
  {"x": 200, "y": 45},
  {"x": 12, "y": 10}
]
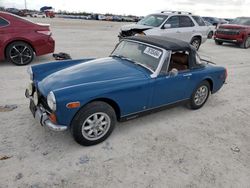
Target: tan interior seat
[{"x": 179, "y": 61}]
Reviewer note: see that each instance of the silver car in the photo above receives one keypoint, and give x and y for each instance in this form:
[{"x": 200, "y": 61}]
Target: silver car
[{"x": 180, "y": 25}]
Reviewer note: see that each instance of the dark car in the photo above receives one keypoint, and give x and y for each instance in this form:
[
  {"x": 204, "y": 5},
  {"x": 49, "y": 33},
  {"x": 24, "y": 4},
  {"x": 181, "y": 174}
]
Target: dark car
[
  {"x": 143, "y": 74},
  {"x": 214, "y": 21},
  {"x": 237, "y": 32},
  {"x": 21, "y": 39}
]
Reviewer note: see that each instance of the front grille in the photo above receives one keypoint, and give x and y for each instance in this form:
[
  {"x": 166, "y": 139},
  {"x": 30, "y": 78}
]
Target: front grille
[
  {"x": 43, "y": 101},
  {"x": 228, "y": 31}
]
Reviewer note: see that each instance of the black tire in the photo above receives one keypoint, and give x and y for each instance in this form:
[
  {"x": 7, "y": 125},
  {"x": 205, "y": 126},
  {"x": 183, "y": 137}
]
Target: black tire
[
  {"x": 218, "y": 42},
  {"x": 193, "y": 104},
  {"x": 196, "y": 42},
  {"x": 85, "y": 115},
  {"x": 210, "y": 35},
  {"x": 246, "y": 43},
  {"x": 19, "y": 53}
]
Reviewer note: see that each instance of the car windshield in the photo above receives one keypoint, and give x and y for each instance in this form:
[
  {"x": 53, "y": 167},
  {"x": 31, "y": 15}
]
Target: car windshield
[
  {"x": 140, "y": 54},
  {"x": 241, "y": 21},
  {"x": 153, "y": 20}
]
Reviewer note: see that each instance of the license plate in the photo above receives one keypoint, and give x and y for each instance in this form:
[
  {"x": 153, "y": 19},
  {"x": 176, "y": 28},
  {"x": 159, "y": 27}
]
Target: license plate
[{"x": 32, "y": 108}]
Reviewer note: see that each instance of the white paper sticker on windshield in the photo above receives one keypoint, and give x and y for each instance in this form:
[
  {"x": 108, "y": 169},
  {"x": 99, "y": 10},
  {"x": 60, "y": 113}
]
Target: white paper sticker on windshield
[{"x": 152, "y": 52}]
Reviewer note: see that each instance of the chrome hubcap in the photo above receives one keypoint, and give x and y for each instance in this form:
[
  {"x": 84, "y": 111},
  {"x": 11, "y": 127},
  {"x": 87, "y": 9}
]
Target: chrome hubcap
[
  {"x": 20, "y": 54},
  {"x": 196, "y": 44},
  {"x": 96, "y": 126},
  {"x": 201, "y": 95}
]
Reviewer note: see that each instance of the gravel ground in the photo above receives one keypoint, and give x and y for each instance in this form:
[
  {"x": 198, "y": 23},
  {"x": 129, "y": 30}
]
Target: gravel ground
[{"x": 177, "y": 147}]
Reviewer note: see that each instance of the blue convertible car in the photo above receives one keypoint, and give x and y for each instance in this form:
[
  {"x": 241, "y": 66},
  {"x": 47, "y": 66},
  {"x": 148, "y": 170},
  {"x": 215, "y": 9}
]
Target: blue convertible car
[{"x": 142, "y": 74}]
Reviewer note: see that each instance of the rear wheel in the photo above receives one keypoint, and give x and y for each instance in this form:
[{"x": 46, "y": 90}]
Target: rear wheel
[
  {"x": 19, "y": 53},
  {"x": 210, "y": 35},
  {"x": 218, "y": 42},
  {"x": 196, "y": 42},
  {"x": 93, "y": 123},
  {"x": 246, "y": 43},
  {"x": 200, "y": 95}
]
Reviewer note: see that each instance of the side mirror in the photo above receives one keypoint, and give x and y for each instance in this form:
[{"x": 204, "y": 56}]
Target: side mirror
[
  {"x": 173, "y": 72},
  {"x": 166, "y": 26}
]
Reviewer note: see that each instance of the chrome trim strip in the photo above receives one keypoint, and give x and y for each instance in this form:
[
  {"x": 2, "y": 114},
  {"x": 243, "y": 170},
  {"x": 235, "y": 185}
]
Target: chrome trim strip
[{"x": 155, "y": 107}]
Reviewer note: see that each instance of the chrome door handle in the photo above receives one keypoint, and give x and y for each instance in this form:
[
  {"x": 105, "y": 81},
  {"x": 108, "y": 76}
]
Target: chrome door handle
[{"x": 187, "y": 75}]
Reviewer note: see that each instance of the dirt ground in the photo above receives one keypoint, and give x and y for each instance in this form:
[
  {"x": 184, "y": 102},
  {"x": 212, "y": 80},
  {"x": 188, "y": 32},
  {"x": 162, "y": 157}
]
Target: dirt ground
[{"x": 177, "y": 147}]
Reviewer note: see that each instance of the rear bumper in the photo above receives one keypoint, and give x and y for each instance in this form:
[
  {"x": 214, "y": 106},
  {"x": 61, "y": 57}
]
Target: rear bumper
[
  {"x": 45, "y": 47},
  {"x": 41, "y": 116}
]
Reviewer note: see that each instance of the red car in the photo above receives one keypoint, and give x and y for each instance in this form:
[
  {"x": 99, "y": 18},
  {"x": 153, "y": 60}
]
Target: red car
[
  {"x": 21, "y": 39},
  {"x": 238, "y": 32}
]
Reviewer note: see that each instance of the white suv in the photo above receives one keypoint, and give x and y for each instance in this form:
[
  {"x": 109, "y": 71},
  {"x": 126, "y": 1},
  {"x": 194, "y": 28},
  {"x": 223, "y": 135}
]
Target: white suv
[{"x": 172, "y": 24}]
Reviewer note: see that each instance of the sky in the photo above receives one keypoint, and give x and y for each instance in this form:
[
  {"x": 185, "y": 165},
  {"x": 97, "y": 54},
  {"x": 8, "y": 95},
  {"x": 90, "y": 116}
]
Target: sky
[{"x": 217, "y": 8}]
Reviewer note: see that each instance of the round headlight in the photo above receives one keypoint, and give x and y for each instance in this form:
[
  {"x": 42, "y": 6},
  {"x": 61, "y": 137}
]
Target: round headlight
[
  {"x": 51, "y": 100},
  {"x": 35, "y": 98},
  {"x": 30, "y": 72},
  {"x": 30, "y": 89}
]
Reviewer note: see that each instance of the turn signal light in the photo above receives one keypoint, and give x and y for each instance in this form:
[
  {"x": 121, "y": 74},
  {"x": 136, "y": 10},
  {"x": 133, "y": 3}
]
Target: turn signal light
[
  {"x": 52, "y": 118},
  {"x": 73, "y": 105}
]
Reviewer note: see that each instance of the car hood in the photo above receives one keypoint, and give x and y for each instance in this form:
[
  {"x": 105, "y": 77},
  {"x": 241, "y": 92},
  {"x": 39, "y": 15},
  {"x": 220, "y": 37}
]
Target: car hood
[
  {"x": 135, "y": 26},
  {"x": 233, "y": 26},
  {"x": 91, "y": 72}
]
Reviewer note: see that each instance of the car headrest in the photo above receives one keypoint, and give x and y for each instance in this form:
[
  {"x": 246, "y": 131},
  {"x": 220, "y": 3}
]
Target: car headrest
[{"x": 180, "y": 58}]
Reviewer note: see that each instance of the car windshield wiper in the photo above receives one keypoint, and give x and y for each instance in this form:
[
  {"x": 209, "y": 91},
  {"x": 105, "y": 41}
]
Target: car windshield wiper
[
  {"x": 144, "y": 66},
  {"x": 133, "y": 61}
]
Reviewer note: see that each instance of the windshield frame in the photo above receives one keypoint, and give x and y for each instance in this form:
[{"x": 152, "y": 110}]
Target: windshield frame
[{"x": 165, "y": 54}]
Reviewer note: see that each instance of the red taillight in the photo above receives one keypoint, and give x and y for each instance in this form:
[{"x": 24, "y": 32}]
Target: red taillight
[{"x": 45, "y": 32}]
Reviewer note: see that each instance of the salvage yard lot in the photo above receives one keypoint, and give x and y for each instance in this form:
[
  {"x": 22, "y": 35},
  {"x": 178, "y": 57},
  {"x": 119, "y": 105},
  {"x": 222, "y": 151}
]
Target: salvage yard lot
[{"x": 177, "y": 147}]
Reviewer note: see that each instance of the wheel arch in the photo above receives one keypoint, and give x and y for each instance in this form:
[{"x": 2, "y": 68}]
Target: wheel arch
[
  {"x": 109, "y": 101},
  {"x": 211, "y": 84},
  {"x": 17, "y": 40},
  {"x": 112, "y": 103},
  {"x": 196, "y": 36}
]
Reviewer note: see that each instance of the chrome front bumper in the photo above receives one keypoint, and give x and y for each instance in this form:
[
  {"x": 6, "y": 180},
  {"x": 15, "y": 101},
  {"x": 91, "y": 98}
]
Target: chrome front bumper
[{"x": 42, "y": 117}]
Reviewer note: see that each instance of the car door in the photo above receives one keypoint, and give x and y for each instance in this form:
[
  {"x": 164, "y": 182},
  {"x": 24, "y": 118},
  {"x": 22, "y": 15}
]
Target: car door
[
  {"x": 173, "y": 31},
  {"x": 169, "y": 89},
  {"x": 186, "y": 28}
]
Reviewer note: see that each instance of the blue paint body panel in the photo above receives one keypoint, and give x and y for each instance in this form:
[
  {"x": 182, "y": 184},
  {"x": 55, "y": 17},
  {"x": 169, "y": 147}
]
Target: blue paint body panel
[{"x": 128, "y": 85}]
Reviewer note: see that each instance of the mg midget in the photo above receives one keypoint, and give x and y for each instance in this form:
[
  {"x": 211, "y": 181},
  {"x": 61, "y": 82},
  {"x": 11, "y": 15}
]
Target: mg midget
[{"x": 143, "y": 74}]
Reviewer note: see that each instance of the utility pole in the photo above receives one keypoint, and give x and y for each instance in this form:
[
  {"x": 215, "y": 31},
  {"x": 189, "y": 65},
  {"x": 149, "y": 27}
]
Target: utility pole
[{"x": 25, "y": 3}]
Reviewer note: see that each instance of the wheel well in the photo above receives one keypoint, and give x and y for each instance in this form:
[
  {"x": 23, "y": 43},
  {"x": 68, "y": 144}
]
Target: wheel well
[
  {"x": 112, "y": 103},
  {"x": 196, "y": 36},
  {"x": 18, "y": 41},
  {"x": 210, "y": 83}
]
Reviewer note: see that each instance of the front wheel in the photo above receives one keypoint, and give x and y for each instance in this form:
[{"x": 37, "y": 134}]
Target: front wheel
[
  {"x": 196, "y": 42},
  {"x": 218, "y": 42},
  {"x": 93, "y": 123},
  {"x": 200, "y": 95},
  {"x": 246, "y": 43}
]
